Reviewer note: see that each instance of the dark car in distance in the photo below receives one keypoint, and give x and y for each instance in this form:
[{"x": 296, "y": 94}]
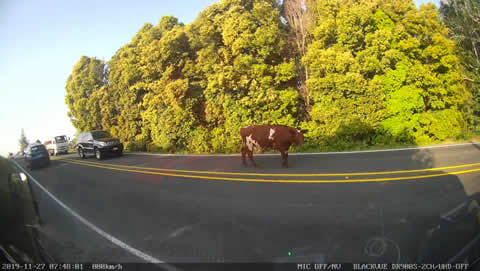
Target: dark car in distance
[
  {"x": 99, "y": 143},
  {"x": 36, "y": 155}
]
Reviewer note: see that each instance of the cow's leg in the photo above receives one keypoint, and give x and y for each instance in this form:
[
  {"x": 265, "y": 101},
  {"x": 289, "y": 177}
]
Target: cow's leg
[
  {"x": 285, "y": 158},
  {"x": 250, "y": 156},
  {"x": 244, "y": 151}
]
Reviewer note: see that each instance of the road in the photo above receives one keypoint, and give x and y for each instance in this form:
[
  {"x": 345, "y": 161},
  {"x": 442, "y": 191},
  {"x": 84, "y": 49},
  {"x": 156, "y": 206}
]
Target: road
[{"x": 325, "y": 207}]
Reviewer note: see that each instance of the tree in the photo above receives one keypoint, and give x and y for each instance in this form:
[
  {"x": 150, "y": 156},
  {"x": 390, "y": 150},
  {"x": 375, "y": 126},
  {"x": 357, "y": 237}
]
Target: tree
[
  {"x": 463, "y": 20},
  {"x": 168, "y": 116},
  {"x": 151, "y": 101},
  {"x": 386, "y": 65},
  {"x": 352, "y": 72},
  {"x": 298, "y": 15},
  {"x": 240, "y": 64},
  {"x": 82, "y": 93},
  {"x": 23, "y": 141},
  {"x": 125, "y": 93}
]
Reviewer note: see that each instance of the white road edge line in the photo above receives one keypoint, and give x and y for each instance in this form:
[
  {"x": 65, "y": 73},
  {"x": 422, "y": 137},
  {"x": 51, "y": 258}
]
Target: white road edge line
[
  {"x": 105, "y": 235},
  {"x": 309, "y": 153}
]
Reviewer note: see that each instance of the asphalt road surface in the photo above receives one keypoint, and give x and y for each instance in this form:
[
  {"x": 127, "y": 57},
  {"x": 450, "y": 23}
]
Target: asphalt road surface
[{"x": 326, "y": 207}]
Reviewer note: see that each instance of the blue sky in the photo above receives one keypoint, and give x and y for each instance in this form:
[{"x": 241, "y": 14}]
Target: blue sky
[{"x": 40, "y": 41}]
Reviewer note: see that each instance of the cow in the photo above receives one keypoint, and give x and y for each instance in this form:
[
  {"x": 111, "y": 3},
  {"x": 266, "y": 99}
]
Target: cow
[{"x": 269, "y": 137}]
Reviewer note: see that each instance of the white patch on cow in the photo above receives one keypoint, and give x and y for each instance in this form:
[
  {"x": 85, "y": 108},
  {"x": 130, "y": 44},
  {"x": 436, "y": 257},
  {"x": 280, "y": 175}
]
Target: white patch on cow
[
  {"x": 272, "y": 132},
  {"x": 251, "y": 143},
  {"x": 299, "y": 131}
]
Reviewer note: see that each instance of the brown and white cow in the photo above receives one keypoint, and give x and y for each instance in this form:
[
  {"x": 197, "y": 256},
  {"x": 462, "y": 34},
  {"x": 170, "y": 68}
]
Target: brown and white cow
[{"x": 269, "y": 137}]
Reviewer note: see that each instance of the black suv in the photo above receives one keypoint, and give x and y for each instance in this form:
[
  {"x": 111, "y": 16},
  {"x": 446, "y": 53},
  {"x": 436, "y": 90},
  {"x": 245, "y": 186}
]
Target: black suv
[{"x": 99, "y": 143}]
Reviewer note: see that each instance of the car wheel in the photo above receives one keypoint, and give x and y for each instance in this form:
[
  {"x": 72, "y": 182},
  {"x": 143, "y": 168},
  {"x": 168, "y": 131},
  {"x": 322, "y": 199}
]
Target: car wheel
[
  {"x": 120, "y": 153},
  {"x": 98, "y": 154},
  {"x": 80, "y": 153}
]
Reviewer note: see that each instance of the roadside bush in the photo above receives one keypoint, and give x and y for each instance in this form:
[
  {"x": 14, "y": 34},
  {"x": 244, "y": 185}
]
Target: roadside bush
[
  {"x": 134, "y": 146},
  {"x": 199, "y": 141}
]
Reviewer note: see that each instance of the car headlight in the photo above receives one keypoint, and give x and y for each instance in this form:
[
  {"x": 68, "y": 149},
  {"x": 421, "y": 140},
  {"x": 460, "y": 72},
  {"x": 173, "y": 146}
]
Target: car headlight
[{"x": 103, "y": 144}]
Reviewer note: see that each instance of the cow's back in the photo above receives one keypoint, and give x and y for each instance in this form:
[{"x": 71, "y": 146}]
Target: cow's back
[
  {"x": 281, "y": 134},
  {"x": 267, "y": 136}
]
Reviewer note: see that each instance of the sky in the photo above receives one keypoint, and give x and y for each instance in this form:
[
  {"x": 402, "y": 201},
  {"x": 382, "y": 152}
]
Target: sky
[{"x": 40, "y": 41}]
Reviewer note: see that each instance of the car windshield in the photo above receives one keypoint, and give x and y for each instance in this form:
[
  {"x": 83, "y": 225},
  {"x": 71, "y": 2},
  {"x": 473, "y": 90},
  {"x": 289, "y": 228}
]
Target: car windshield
[
  {"x": 39, "y": 148},
  {"x": 100, "y": 134},
  {"x": 60, "y": 139}
]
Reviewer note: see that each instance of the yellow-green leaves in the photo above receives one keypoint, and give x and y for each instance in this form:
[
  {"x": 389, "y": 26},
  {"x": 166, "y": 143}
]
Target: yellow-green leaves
[
  {"x": 384, "y": 64},
  {"x": 82, "y": 93},
  {"x": 372, "y": 72},
  {"x": 239, "y": 60}
]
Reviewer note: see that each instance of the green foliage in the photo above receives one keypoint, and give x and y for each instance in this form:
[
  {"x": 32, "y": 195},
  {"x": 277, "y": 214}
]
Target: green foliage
[
  {"x": 82, "y": 93},
  {"x": 150, "y": 95},
  {"x": 242, "y": 71},
  {"x": 388, "y": 66},
  {"x": 379, "y": 72},
  {"x": 461, "y": 17}
]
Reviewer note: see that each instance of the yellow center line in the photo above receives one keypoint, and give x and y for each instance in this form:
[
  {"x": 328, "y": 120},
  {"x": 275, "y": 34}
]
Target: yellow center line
[
  {"x": 278, "y": 181},
  {"x": 281, "y": 175}
]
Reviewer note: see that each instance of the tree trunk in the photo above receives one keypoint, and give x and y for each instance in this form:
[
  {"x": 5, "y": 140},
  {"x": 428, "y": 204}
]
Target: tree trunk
[
  {"x": 475, "y": 51},
  {"x": 307, "y": 92}
]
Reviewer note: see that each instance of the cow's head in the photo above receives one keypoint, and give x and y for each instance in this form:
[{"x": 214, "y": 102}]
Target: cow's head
[{"x": 298, "y": 137}]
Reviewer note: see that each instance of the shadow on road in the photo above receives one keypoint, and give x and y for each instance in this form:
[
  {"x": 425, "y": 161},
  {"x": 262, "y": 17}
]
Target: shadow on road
[
  {"x": 353, "y": 222},
  {"x": 475, "y": 144}
]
